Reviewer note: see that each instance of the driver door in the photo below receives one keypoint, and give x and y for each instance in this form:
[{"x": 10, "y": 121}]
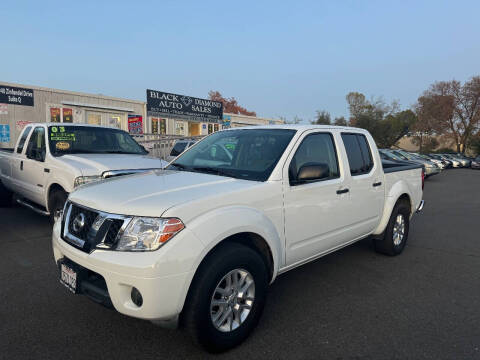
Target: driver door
[
  {"x": 33, "y": 174},
  {"x": 315, "y": 211}
]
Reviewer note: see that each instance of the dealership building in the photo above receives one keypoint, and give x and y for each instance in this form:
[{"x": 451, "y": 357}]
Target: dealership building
[{"x": 163, "y": 114}]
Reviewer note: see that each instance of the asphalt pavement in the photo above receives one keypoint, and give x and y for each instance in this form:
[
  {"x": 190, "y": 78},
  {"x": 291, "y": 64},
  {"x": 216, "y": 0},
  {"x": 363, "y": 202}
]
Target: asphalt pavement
[{"x": 353, "y": 304}]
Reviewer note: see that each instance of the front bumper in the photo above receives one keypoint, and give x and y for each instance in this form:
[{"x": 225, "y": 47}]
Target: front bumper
[{"x": 161, "y": 276}]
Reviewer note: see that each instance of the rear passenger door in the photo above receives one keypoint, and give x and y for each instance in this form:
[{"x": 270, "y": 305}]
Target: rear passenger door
[
  {"x": 315, "y": 211},
  {"x": 365, "y": 184}
]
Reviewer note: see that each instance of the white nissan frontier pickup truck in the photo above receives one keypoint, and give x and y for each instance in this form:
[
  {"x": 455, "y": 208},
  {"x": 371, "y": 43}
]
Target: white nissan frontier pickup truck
[
  {"x": 197, "y": 244},
  {"x": 50, "y": 160}
]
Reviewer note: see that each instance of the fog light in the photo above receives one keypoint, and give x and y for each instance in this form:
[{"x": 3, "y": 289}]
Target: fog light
[{"x": 136, "y": 297}]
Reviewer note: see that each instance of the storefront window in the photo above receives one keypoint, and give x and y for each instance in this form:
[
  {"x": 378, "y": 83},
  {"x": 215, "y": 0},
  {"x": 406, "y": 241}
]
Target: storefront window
[
  {"x": 210, "y": 128},
  {"x": 179, "y": 128},
  {"x": 115, "y": 121},
  {"x": 67, "y": 115},
  {"x": 54, "y": 114},
  {"x": 94, "y": 119},
  {"x": 159, "y": 126},
  {"x": 215, "y": 127}
]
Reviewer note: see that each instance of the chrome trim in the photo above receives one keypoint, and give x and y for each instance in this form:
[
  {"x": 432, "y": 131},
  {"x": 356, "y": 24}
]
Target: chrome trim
[
  {"x": 420, "y": 206},
  {"x": 101, "y": 245},
  {"x": 111, "y": 173}
]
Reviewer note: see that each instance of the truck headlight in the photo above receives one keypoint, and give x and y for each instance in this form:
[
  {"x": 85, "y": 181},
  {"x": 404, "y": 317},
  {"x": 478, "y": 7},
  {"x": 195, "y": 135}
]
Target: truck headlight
[
  {"x": 81, "y": 180},
  {"x": 148, "y": 234}
]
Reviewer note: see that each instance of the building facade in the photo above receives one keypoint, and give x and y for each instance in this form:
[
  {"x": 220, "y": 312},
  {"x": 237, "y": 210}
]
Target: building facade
[{"x": 24, "y": 104}]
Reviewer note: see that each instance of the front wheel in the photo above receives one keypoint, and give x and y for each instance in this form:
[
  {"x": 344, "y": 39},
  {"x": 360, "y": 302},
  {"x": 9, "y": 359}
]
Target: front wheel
[
  {"x": 56, "y": 204},
  {"x": 227, "y": 297},
  {"x": 396, "y": 234}
]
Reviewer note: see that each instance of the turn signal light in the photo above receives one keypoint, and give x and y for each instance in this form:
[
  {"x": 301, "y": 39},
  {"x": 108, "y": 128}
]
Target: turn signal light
[{"x": 171, "y": 227}]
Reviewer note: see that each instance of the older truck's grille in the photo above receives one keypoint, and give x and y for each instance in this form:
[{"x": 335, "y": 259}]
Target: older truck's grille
[{"x": 86, "y": 228}]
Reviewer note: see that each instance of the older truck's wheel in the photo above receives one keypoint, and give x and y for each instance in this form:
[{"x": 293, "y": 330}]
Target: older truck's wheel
[
  {"x": 396, "y": 233},
  {"x": 6, "y": 196},
  {"x": 226, "y": 298},
  {"x": 56, "y": 203}
]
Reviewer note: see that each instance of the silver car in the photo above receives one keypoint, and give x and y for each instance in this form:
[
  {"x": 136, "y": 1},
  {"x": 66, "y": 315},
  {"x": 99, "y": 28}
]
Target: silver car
[{"x": 430, "y": 167}]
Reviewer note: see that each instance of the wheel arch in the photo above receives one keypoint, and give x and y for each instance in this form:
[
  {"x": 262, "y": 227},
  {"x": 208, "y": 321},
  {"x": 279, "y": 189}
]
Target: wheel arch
[
  {"x": 396, "y": 195},
  {"x": 51, "y": 189}
]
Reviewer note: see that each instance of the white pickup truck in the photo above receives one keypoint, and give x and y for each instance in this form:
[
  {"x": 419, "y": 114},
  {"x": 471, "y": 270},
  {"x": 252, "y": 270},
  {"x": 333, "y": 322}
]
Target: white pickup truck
[
  {"x": 198, "y": 243},
  {"x": 50, "y": 160}
]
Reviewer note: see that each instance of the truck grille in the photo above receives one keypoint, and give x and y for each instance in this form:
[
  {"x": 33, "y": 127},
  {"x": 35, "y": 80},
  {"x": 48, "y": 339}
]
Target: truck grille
[
  {"x": 87, "y": 229},
  {"x": 81, "y": 221}
]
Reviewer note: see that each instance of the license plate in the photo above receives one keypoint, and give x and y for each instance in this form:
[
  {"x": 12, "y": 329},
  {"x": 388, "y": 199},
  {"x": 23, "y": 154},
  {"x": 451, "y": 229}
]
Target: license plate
[{"x": 68, "y": 277}]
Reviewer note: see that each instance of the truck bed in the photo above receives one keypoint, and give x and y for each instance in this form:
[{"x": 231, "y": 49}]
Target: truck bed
[{"x": 394, "y": 166}]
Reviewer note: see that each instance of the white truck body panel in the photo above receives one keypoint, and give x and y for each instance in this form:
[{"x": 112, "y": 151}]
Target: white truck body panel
[{"x": 299, "y": 223}]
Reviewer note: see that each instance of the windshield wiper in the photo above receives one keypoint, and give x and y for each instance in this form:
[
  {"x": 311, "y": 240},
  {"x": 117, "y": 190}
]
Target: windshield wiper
[
  {"x": 180, "y": 166},
  {"x": 215, "y": 171}
]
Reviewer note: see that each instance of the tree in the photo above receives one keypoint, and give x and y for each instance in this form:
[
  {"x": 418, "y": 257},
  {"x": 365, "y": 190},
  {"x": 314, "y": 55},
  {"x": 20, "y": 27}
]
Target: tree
[
  {"x": 356, "y": 105},
  {"x": 389, "y": 129},
  {"x": 230, "y": 105},
  {"x": 322, "y": 118},
  {"x": 454, "y": 109},
  {"x": 340, "y": 121}
]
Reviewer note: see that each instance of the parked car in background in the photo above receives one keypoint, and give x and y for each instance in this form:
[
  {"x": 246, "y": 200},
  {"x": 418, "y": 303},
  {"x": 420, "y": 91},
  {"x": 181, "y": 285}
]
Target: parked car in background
[
  {"x": 385, "y": 155},
  {"x": 50, "y": 160},
  {"x": 179, "y": 147},
  {"x": 430, "y": 167},
  {"x": 437, "y": 162},
  {"x": 455, "y": 162},
  {"x": 460, "y": 162},
  {"x": 476, "y": 163},
  {"x": 204, "y": 249},
  {"x": 448, "y": 163}
]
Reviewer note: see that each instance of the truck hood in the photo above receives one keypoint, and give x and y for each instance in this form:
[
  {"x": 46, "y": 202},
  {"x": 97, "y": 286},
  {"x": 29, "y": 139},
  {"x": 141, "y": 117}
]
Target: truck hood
[
  {"x": 152, "y": 193},
  {"x": 96, "y": 164}
]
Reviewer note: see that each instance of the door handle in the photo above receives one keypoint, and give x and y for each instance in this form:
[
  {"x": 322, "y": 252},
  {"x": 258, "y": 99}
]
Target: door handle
[
  {"x": 21, "y": 165},
  {"x": 343, "y": 191},
  {"x": 377, "y": 184}
]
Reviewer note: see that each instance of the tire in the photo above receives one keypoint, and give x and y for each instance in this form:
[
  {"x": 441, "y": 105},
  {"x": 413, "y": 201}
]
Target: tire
[
  {"x": 392, "y": 244},
  {"x": 199, "y": 311},
  {"x": 6, "y": 196},
  {"x": 56, "y": 203}
]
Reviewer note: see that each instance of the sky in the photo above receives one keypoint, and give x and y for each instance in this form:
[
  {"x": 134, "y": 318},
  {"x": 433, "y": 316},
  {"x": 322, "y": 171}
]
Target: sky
[{"x": 278, "y": 58}]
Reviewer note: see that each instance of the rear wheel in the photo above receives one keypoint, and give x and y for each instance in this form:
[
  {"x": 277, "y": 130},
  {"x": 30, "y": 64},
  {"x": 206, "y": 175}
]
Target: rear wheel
[
  {"x": 396, "y": 234},
  {"x": 56, "y": 203},
  {"x": 226, "y": 298},
  {"x": 6, "y": 196}
]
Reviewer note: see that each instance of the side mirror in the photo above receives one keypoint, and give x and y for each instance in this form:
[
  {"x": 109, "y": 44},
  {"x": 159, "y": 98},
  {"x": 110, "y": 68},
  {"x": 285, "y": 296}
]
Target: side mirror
[{"x": 312, "y": 172}]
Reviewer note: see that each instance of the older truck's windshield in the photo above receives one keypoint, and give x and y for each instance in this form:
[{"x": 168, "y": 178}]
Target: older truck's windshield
[
  {"x": 85, "y": 139},
  {"x": 248, "y": 154}
]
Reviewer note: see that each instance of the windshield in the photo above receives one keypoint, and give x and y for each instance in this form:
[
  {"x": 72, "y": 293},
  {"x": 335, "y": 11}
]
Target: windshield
[
  {"x": 85, "y": 139},
  {"x": 249, "y": 154}
]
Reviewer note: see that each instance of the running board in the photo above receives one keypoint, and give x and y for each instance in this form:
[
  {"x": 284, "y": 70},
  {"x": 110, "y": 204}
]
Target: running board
[{"x": 33, "y": 207}]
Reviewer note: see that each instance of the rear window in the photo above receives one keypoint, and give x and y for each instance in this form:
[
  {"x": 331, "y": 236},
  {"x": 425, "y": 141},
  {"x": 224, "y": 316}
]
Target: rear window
[{"x": 358, "y": 153}]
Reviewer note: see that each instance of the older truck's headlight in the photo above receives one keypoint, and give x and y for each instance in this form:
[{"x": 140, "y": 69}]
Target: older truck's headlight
[
  {"x": 81, "y": 180},
  {"x": 147, "y": 234}
]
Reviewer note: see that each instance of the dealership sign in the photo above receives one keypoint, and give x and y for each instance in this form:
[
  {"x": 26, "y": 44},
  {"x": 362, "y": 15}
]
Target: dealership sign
[
  {"x": 183, "y": 107},
  {"x": 16, "y": 96}
]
